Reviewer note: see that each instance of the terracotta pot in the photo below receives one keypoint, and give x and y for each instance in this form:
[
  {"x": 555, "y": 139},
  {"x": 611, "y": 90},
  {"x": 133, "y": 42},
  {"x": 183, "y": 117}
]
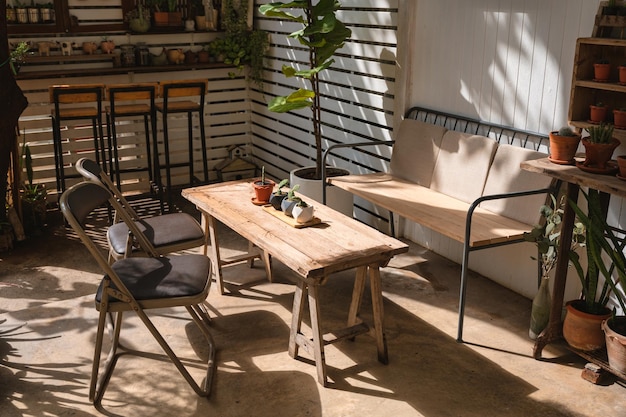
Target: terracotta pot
[
  {"x": 563, "y": 148},
  {"x": 597, "y": 114},
  {"x": 619, "y": 119},
  {"x": 583, "y": 331},
  {"x": 263, "y": 191},
  {"x": 598, "y": 154},
  {"x": 161, "y": 18},
  {"x": 615, "y": 337},
  {"x": 601, "y": 72},
  {"x": 621, "y": 162},
  {"x": 622, "y": 74},
  {"x": 204, "y": 56}
]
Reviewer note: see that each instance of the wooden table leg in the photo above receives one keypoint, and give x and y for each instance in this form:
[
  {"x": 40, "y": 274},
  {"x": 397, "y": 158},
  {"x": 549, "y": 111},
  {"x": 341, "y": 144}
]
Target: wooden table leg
[
  {"x": 377, "y": 307},
  {"x": 357, "y": 295},
  {"x": 554, "y": 330},
  {"x": 296, "y": 317},
  {"x": 210, "y": 228},
  {"x": 318, "y": 340}
]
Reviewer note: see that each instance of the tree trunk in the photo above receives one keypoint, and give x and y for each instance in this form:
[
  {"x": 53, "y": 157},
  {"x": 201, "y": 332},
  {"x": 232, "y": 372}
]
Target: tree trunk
[{"x": 12, "y": 105}]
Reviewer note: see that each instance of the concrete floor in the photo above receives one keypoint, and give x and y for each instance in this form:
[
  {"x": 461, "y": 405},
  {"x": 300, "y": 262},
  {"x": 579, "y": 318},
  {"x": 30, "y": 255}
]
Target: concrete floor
[{"x": 47, "y": 337}]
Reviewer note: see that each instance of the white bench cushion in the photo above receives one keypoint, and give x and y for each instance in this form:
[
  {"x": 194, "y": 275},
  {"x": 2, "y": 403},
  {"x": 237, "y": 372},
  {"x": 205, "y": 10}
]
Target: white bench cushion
[
  {"x": 462, "y": 165},
  {"x": 415, "y": 151},
  {"x": 506, "y": 176}
]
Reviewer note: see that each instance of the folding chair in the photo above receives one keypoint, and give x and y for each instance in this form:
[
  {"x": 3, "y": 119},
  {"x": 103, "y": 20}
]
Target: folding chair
[
  {"x": 139, "y": 284},
  {"x": 168, "y": 233}
]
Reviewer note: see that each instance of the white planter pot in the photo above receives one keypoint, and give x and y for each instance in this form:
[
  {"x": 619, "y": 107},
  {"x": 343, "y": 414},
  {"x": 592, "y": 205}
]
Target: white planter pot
[
  {"x": 302, "y": 214},
  {"x": 336, "y": 198}
]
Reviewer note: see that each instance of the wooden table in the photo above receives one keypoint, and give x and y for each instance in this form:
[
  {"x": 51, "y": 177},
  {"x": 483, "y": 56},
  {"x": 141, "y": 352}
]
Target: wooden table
[
  {"x": 574, "y": 178},
  {"x": 336, "y": 244}
]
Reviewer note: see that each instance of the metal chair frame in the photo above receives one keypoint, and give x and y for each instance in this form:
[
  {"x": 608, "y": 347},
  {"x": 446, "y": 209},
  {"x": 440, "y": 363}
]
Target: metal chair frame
[{"x": 76, "y": 204}]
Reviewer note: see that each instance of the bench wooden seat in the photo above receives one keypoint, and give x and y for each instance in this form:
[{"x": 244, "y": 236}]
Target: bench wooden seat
[
  {"x": 439, "y": 212},
  {"x": 463, "y": 185}
]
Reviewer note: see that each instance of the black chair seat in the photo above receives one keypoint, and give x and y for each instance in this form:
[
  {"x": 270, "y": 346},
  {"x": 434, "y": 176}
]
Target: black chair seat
[
  {"x": 154, "y": 278},
  {"x": 164, "y": 230}
]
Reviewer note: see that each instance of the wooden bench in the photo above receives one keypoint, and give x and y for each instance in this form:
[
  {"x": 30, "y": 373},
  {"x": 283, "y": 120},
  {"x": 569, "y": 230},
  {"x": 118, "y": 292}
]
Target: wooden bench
[{"x": 459, "y": 177}]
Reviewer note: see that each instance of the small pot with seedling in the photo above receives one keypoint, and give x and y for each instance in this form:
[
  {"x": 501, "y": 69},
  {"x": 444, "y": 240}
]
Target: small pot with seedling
[
  {"x": 602, "y": 70},
  {"x": 279, "y": 195},
  {"x": 597, "y": 112},
  {"x": 619, "y": 118},
  {"x": 302, "y": 212},
  {"x": 262, "y": 189},
  {"x": 290, "y": 201}
]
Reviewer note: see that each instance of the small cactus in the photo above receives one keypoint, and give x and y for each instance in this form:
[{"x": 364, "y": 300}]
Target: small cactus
[{"x": 566, "y": 131}]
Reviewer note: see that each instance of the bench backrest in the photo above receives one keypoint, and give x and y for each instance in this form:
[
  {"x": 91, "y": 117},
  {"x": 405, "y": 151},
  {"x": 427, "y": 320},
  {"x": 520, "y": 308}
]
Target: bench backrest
[
  {"x": 467, "y": 166},
  {"x": 415, "y": 151},
  {"x": 505, "y": 176}
]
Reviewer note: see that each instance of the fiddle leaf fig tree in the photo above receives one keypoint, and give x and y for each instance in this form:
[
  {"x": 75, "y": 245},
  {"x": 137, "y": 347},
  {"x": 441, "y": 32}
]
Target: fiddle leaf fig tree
[{"x": 322, "y": 34}]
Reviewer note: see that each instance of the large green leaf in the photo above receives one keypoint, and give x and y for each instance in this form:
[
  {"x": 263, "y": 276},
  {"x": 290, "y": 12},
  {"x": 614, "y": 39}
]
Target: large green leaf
[
  {"x": 299, "y": 99},
  {"x": 276, "y": 10}
]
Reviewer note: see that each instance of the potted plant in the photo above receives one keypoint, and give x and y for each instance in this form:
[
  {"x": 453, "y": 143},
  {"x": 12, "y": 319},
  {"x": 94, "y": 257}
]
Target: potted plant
[
  {"x": 33, "y": 197},
  {"x": 290, "y": 201},
  {"x": 619, "y": 118},
  {"x": 622, "y": 73},
  {"x": 16, "y": 57},
  {"x": 582, "y": 324},
  {"x": 322, "y": 34},
  {"x": 138, "y": 19},
  {"x": 563, "y": 145},
  {"x": 279, "y": 195},
  {"x": 615, "y": 338},
  {"x": 547, "y": 237},
  {"x": 599, "y": 146},
  {"x": 301, "y": 211},
  {"x": 597, "y": 112},
  {"x": 601, "y": 70},
  {"x": 242, "y": 46},
  {"x": 262, "y": 189}
]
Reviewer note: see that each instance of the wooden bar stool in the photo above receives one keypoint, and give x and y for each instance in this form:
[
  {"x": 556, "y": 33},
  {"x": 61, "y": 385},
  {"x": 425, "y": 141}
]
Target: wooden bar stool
[
  {"x": 71, "y": 103},
  {"x": 139, "y": 101},
  {"x": 176, "y": 99}
]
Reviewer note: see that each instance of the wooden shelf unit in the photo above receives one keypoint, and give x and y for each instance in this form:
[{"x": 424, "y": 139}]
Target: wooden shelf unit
[{"x": 585, "y": 91}]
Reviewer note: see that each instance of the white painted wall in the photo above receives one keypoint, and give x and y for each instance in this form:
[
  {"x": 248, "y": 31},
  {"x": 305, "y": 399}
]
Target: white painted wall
[{"x": 504, "y": 61}]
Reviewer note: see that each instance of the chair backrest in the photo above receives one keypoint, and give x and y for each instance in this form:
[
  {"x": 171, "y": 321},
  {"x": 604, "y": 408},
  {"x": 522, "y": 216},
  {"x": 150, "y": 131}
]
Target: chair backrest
[
  {"x": 80, "y": 200},
  {"x": 76, "y": 93},
  {"x": 184, "y": 88},
  {"x": 131, "y": 92},
  {"x": 91, "y": 171}
]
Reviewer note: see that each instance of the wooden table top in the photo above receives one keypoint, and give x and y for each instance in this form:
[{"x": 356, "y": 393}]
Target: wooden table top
[
  {"x": 338, "y": 243},
  {"x": 608, "y": 183}
]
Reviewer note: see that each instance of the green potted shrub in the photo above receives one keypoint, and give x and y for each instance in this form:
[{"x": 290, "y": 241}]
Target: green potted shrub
[
  {"x": 138, "y": 19},
  {"x": 322, "y": 34},
  {"x": 582, "y": 325},
  {"x": 563, "y": 145},
  {"x": 33, "y": 198},
  {"x": 546, "y": 236},
  {"x": 599, "y": 146}
]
